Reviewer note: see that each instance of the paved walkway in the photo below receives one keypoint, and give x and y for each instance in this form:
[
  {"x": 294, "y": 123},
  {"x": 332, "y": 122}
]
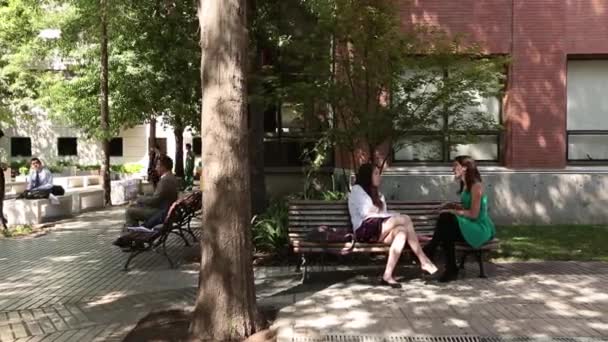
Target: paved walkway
[
  {"x": 69, "y": 286},
  {"x": 533, "y": 300}
]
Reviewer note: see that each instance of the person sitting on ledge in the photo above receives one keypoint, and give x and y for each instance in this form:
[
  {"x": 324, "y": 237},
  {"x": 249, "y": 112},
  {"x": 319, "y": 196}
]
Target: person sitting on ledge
[
  {"x": 40, "y": 178},
  {"x": 147, "y": 207},
  {"x": 40, "y": 183}
]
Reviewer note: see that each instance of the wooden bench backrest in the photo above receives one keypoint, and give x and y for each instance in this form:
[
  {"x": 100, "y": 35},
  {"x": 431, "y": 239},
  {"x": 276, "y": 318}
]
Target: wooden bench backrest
[{"x": 305, "y": 216}]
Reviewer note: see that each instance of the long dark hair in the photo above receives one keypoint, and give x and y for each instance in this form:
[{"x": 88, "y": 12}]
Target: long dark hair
[
  {"x": 471, "y": 175},
  {"x": 364, "y": 180}
]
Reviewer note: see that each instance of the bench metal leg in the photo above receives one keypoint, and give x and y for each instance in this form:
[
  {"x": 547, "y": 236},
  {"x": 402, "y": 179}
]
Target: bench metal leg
[
  {"x": 189, "y": 231},
  {"x": 180, "y": 232},
  {"x": 304, "y": 267},
  {"x": 164, "y": 252},
  {"x": 482, "y": 272},
  {"x": 132, "y": 255},
  {"x": 298, "y": 266},
  {"x": 463, "y": 260}
]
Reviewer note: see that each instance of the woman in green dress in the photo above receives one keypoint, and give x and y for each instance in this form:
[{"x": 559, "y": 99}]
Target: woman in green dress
[{"x": 467, "y": 221}]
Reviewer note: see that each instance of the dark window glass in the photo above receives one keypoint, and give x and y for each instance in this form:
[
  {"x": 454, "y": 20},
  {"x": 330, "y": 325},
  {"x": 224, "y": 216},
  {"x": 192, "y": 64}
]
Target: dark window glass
[
  {"x": 197, "y": 146},
  {"x": 116, "y": 147},
  {"x": 21, "y": 147},
  {"x": 67, "y": 146}
]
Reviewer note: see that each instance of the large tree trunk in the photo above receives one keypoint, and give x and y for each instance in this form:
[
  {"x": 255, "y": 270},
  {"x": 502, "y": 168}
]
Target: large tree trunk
[
  {"x": 226, "y": 304},
  {"x": 179, "y": 151},
  {"x": 105, "y": 110}
]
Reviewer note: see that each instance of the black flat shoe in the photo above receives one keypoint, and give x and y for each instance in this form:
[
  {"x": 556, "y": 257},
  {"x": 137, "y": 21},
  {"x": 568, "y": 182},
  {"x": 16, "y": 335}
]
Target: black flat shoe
[
  {"x": 448, "y": 276},
  {"x": 393, "y": 285}
]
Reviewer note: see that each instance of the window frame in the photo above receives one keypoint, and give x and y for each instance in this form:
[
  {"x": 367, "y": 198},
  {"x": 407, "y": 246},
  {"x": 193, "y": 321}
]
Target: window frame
[
  {"x": 29, "y": 142},
  {"x": 122, "y": 147},
  {"x": 574, "y": 132},
  {"x": 65, "y": 139},
  {"x": 570, "y": 161},
  {"x": 444, "y": 134},
  {"x": 281, "y": 137}
]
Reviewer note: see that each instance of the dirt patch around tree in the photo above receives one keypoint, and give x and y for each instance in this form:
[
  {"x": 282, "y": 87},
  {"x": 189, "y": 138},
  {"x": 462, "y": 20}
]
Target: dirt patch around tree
[{"x": 172, "y": 326}]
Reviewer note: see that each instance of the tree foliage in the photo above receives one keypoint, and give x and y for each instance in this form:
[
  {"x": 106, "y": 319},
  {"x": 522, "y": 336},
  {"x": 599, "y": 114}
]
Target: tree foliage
[
  {"x": 153, "y": 62},
  {"x": 375, "y": 81}
]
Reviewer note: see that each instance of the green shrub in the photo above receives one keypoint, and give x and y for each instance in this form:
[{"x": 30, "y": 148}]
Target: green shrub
[
  {"x": 18, "y": 164},
  {"x": 133, "y": 168},
  {"x": 17, "y": 231},
  {"x": 330, "y": 195},
  {"x": 56, "y": 168},
  {"x": 24, "y": 170},
  {"x": 270, "y": 229},
  {"x": 128, "y": 169},
  {"x": 93, "y": 167}
]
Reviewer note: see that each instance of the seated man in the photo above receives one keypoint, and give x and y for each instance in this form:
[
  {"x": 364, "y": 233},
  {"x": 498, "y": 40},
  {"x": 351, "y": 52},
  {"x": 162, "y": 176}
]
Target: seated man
[
  {"x": 40, "y": 183},
  {"x": 40, "y": 178},
  {"x": 147, "y": 207}
]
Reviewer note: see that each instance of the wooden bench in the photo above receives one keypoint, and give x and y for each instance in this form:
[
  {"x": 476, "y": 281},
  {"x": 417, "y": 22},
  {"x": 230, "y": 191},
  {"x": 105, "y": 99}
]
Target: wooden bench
[
  {"x": 176, "y": 222},
  {"x": 306, "y": 216}
]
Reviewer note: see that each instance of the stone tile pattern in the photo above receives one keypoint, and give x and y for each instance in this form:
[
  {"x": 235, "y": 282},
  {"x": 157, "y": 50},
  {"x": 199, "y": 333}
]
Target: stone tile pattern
[
  {"x": 548, "y": 299},
  {"x": 69, "y": 285}
]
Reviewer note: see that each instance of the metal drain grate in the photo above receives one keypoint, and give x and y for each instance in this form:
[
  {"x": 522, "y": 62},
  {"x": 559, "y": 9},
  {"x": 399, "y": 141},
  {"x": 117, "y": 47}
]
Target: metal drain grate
[{"x": 346, "y": 338}]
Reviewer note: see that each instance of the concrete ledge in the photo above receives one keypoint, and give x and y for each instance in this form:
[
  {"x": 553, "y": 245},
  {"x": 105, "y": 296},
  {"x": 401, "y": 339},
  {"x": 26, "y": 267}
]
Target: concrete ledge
[
  {"x": 15, "y": 188},
  {"x": 86, "y": 199},
  {"x": 125, "y": 190},
  {"x": 529, "y": 198},
  {"x": 22, "y": 211}
]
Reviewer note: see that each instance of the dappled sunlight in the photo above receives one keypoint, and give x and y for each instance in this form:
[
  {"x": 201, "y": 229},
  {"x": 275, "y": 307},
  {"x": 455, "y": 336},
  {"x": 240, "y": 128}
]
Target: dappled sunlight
[
  {"x": 67, "y": 258},
  {"x": 107, "y": 298},
  {"x": 521, "y": 299}
]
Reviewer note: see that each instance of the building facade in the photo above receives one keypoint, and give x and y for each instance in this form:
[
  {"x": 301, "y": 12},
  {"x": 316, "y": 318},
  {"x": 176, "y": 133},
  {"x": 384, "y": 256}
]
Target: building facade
[
  {"x": 55, "y": 143},
  {"x": 551, "y": 161},
  {"x": 555, "y": 111}
]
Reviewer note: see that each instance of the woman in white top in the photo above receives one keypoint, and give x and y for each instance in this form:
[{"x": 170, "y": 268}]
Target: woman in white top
[{"x": 373, "y": 223}]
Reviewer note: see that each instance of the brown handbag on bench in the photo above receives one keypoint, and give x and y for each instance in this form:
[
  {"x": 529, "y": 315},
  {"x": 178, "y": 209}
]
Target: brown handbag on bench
[{"x": 325, "y": 234}]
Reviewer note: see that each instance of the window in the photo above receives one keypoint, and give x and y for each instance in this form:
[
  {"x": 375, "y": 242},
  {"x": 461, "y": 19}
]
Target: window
[
  {"x": 289, "y": 135},
  {"x": 587, "y": 111},
  {"x": 21, "y": 147},
  {"x": 197, "y": 146},
  {"x": 442, "y": 140},
  {"x": 116, "y": 147},
  {"x": 67, "y": 146}
]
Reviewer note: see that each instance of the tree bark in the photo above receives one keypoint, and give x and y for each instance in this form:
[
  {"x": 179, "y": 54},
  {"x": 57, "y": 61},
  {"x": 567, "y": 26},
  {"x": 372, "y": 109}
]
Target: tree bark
[
  {"x": 152, "y": 133},
  {"x": 226, "y": 304},
  {"x": 105, "y": 110},
  {"x": 179, "y": 151}
]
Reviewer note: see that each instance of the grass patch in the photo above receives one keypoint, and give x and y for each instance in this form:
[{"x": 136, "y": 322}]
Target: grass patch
[
  {"x": 574, "y": 243},
  {"x": 18, "y": 231}
]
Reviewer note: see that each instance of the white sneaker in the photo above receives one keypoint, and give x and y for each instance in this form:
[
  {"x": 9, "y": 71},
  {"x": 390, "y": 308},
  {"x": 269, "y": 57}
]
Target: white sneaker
[{"x": 54, "y": 200}]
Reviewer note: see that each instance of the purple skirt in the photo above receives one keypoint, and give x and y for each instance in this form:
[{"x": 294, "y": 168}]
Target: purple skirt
[{"x": 370, "y": 229}]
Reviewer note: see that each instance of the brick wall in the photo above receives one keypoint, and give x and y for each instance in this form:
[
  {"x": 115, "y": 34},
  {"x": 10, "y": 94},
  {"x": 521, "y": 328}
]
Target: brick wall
[{"x": 538, "y": 35}]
